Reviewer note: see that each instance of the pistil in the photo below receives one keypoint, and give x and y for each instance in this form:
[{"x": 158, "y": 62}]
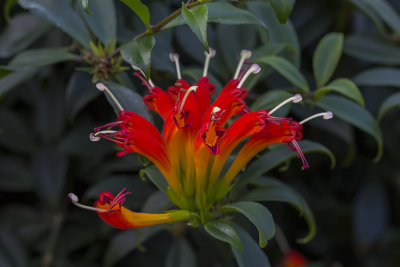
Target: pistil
[
  {"x": 325, "y": 115},
  {"x": 175, "y": 58},
  {"x": 207, "y": 61},
  {"x": 244, "y": 54},
  {"x": 255, "y": 68},
  {"x": 191, "y": 89},
  {"x": 104, "y": 88},
  {"x": 136, "y": 68},
  {"x": 75, "y": 200},
  {"x": 295, "y": 99}
]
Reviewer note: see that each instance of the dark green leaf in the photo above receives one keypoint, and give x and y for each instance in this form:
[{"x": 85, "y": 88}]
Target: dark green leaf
[
  {"x": 128, "y": 99},
  {"x": 386, "y": 12},
  {"x": 355, "y": 115},
  {"x": 12, "y": 251},
  {"x": 155, "y": 177},
  {"x": 269, "y": 49},
  {"x": 40, "y": 57},
  {"x": 287, "y": 70},
  {"x": 224, "y": 232},
  {"x": 343, "y": 86},
  {"x": 370, "y": 13},
  {"x": 326, "y": 57},
  {"x": 138, "y": 53},
  {"x": 379, "y": 77},
  {"x": 62, "y": 15},
  {"x": 282, "y": 8},
  {"x": 21, "y": 31},
  {"x": 181, "y": 254},
  {"x": 197, "y": 21},
  {"x": 271, "y": 99},
  {"x": 141, "y": 10},
  {"x": 14, "y": 175},
  {"x": 103, "y": 21},
  {"x": 259, "y": 215},
  {"x": 270, "y": 189},
  {"x": 13, "y": 79},
  {"x": 372, "y": 48},
  {"x": 251, "y": 255},
  {"x": 85, "y": 5},
  {"x": 389, "y": 103}
]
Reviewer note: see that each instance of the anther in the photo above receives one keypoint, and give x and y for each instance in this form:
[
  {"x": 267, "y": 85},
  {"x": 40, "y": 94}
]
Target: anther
[
  {"x": 255, "y": 68},
  {"x": 207, "y": 61},
  {"x": 244, "y": 54},
  {"x": 93, "y": 137},
  {"x": 191, "y": 89},
  {"x": 214, "y": 115},
  {"x": 103, "y": 88},
  {"x": 325, "y": 115},
  {"x": 75, "y": 200},
  {"x": 136, "y": 68},
  {"x": 295, "y": 99},
  {"x": 175, "y": 58}
]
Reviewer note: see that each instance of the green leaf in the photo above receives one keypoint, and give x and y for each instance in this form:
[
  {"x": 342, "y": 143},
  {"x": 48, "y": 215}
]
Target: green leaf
[
  {"x": 103, "y": 21},
  {"x": 13, "y": 79},
  {"x": 370, "y": 13},
  {"x": 12, "y": 251},
  {"x": 270, "y": 189},
  {"x": 355, "y": 115},
  {"x": 7, "y": 9},
  {"x": 378, "y": 77},
  {"x": 61, "y": 15},
  {"x": 85, "y": 5},
  {"x": 128, "y": 99},
  {"x": 197, "y": 21},
  {"x": 287, "y": 70},
  {"x": 40, "y": 57},
  {"x": 271, "y": 99},
  {"x": 15, "y": 174},
  {"x": 389, "y": 103},
  {"x": 326, "y": 57},
  {"x": 155, "y": 177},
  {"x": 251, "y": 255},
  {"x": 372, "y": 48},
  {"x": 138, "y": 53},
  {"x": 20, "y": 32},
  {"x": 343, "y": 86},
  {"x": 141, "y": 10},
  {"x": 181, "y": 254},
  {"x": 224, "y": 232},
  {"x": 282, "y": 8},
  {"x": 386, "y": 12},
  {"x": 224, "y": 13},
  {"x": 259, "y": 215}
]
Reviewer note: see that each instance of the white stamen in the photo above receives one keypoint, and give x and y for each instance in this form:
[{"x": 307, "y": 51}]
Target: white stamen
[
  {"x": 244, "y": 54},
  {"x": 134, "y": 67},
  {"x": 75, "y": 199},
  {"x": 175, "y": 58},
  {"x": 295, "y": 99},
  {"x": 207, "y": 62},
  {"x": 325, "y": 115},
  {"x": 215, "y": 110},
  {"x": 103, "y": 88},
  {"x": 255, "y": 68},
  {"x": 93, "y": 137},
  {"x": 191, "y": 89}
]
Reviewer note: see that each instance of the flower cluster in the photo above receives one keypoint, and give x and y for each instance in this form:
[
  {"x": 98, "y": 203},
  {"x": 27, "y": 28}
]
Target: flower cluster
[{"x": 193, "y": 151}]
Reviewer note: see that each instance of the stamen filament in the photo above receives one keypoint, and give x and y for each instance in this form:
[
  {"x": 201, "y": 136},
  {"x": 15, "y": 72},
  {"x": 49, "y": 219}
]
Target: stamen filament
[
  {"x": 300, "y": 154},
  {"x": 244, "y": 54},
  {"x": 136, "y": 68},
  {"x": 102, "y": 87},
  {"x": 75, "y": 199},
  {"x": 175, "y": 58},
  {"x": 295, "y": 99},
  {"x": 255, "y": 68},
  {"x": 325, "y": 115},
  {"x": 191, "y": 89},
  {"x": 207, "y": 62}
]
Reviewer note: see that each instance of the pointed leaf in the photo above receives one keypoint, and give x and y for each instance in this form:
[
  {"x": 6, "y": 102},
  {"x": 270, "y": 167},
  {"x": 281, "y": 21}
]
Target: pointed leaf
[
  {"x": 355, "y": 115},
  {"x": 62, "y": 15},
  {"x": 389, "y": 103},
  {"x": 287, "y": 70},
  {"x": 386, "y": 12},
  {"x": 141, "y": 10},
  {"x": 155, "y": 177},
  {"x": 379, "y": 77},
  {"x": 224, "y": 232},
  {"x": 270, "y": 189},
  {"x": 326, "y": 57},
  {"x": 370, "y": 13},
  {"x": 259, "y": 215},
  {"x": 282, "y": 8},
  {"x": 14, "y": 79},
  {"x": 197, "y": 21},
  {"x": 138, "y": 53},
  {"x": 181, "y": 254},
  {"x": 343, "y": 86}
]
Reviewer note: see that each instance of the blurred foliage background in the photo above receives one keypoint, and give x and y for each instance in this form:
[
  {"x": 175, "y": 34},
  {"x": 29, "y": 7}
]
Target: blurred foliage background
[{"x": 341, "y": 55}]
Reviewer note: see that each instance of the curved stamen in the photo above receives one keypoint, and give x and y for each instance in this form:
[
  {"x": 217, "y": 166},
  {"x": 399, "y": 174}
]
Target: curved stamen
[
  {"x": 300, "y": 154},
  {"x": 191, "y": 89},
  {"x": 75, "y": 199},
  {"x": 325, "y": 115},
  {"x": 108, "y": 126},
  {"x": 175, "y": 58},
  {"x": 244, "y": 54},
  {"x": 255, "y": 68},
  {"x": 207, "y": 62},
  {"x": 136, "y": 68},
  {"x": 295, "y": 99},
  {"x": 102, "y": 88}
]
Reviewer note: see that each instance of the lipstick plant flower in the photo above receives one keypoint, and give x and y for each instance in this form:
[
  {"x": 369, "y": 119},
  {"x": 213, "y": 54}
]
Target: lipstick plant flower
[{"x": 193, "y": 150}]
